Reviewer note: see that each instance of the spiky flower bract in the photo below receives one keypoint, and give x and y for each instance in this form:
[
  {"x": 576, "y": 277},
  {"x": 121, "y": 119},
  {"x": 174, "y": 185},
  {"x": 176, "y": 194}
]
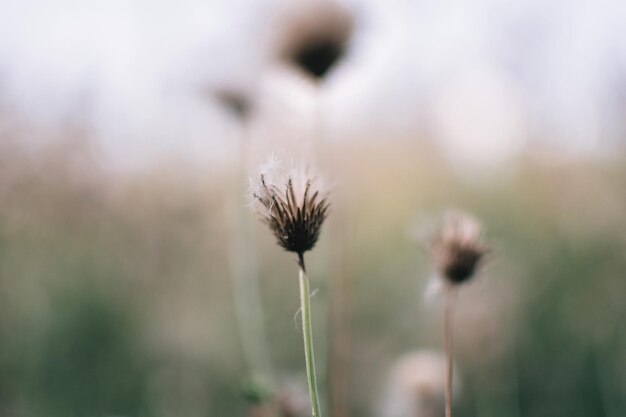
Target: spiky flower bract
[
  {"x": 295, "y": 214},
  {"x": 457, "y": 248}
]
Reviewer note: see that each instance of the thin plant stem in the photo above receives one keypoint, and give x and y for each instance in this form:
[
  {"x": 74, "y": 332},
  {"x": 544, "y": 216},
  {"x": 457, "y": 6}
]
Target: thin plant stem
[
  {"x": 339, "y": 316},
  {"x": 244, "y": 277},
  {"x": 448, "y": 344},
  {"x": 307, "y": 334},
  {"x": 337, "y": 366}
]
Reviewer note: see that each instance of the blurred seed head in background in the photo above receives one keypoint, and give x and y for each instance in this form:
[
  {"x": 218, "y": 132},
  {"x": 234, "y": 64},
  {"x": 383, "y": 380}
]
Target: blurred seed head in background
[
  {"x": 415, "y": 386},
  {"x": 292, "y": 399},
  {"x": 237, "y": 101},
  {"x": 457, "y": 247},
  {"x": 314, "y": 36}
]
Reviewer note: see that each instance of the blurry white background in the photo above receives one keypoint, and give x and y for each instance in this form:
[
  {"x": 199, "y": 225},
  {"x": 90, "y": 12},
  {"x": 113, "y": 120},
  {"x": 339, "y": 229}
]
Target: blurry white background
[{"x": 484, "y": 78}]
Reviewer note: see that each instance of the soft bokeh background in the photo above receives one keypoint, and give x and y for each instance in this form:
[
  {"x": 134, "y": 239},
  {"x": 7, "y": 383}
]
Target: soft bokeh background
[{"x": 136, "y": 281}]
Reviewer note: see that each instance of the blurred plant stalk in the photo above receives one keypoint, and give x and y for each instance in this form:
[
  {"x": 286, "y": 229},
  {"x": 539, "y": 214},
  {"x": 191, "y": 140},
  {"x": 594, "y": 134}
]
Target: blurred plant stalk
[
  {"x": 245, "y": 279},
  {"x": 338, "y": 257},
  {"x": 450, "y": 299},
  {"x": 340, "y": 304}
]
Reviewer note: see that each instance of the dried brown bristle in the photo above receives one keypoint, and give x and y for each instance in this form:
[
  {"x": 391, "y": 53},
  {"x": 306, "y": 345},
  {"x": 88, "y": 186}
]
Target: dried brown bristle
[{"x": 296, "y": 224}]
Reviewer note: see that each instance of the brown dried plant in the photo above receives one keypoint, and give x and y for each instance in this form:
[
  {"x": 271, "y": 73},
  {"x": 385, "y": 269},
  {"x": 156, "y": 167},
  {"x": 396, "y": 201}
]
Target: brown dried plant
[
  {"x": 457, "y": 250},
  {"x": 295, "y": 215},
  {"x": 295, "y": 220}
]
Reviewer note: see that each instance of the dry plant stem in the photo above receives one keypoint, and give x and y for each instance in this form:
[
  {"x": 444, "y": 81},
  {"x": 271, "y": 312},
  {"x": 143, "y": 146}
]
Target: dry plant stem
[
  {"x": 339, "y": 340},
  {"x": 319, "y": 132},
  {"x": 339, "y": 306},
  {"x": 245, "y": 280},
  {"x": 307, "y": 334},
  {"x": 450, "y": 297}
]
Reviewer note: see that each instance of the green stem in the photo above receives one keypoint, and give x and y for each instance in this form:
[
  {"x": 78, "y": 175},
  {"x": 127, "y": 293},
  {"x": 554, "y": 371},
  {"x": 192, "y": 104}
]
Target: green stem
[{"x": 307, "y": 334}]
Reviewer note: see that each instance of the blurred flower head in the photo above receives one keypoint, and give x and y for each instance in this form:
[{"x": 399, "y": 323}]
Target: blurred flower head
[
  {"x": 293, "y": 206},
  {"x": 292, "y": 399},
  {"x": 457, "y": 247},
  {"x": 237, "y": 102},
  {"x": 416, "y": 386},
  {"x": 315, "y": 36}
]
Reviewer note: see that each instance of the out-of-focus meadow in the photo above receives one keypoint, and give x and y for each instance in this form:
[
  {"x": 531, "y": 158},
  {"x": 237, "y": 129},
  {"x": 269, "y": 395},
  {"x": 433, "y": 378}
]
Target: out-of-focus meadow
[
  {"x": 117, "y": 300},
  {"x": 135, "y": 285}
]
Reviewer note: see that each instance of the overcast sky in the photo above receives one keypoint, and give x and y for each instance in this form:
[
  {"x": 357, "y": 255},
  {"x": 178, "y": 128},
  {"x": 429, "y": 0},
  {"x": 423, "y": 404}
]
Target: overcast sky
[{"x": 482, "y": 77}]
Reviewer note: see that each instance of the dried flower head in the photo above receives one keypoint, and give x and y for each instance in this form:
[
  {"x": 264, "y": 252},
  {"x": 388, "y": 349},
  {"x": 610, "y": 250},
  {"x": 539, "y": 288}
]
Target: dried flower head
[
  {"x": 293, "y": 212},
  {"x": 316, "y": 37},
  {"x": 415, "y": 385},
  {"x": 457, "y": 248},
  {"x": 235, "y": 101},
  {"x": 292, "y": 399}
]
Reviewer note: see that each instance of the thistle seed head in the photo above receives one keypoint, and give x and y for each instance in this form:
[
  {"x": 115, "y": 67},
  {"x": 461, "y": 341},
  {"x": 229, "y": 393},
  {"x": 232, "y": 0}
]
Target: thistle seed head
[
  {"x": 457, "y": 248},
  {"x": 293, "y": 213},
  {"x": 316, "y": 37}
]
